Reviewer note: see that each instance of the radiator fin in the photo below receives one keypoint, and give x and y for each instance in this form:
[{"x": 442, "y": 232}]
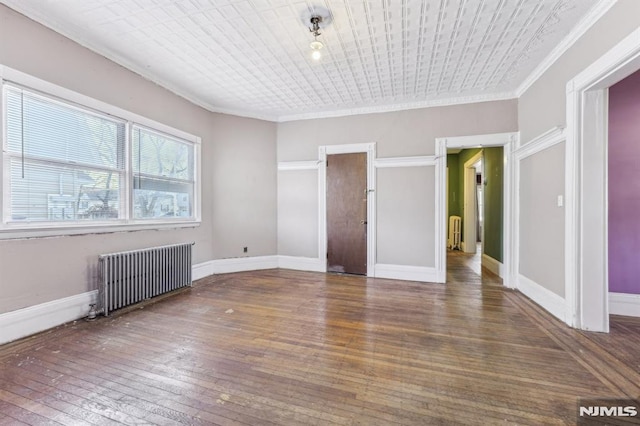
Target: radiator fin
[{"x": 132, "y": 276}]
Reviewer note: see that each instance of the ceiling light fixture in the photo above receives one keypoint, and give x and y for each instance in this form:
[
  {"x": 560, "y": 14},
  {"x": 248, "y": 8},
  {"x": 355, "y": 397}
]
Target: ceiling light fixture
[{"x": 315, "y": 45}]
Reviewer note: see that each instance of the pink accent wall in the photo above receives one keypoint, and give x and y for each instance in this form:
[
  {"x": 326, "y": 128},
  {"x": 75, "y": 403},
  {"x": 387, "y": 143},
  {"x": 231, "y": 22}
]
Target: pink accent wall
[{"x": 624, "y": 185}]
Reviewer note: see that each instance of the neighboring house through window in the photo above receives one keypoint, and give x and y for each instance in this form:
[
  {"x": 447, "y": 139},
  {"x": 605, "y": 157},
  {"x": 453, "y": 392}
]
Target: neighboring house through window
[{"x": 67, "y": 164}]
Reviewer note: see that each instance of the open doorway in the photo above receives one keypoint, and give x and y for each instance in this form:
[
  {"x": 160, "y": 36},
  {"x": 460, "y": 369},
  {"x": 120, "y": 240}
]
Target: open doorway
[
  {"x": 468, "y": 165},
  {"x": 482, "y": 164},
  {"x": 586, "y": 252}
]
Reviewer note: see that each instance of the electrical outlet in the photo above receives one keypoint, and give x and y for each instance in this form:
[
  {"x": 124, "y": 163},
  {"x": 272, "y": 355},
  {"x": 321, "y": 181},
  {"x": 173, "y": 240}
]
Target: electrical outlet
[{"x": 245, "y": 249}]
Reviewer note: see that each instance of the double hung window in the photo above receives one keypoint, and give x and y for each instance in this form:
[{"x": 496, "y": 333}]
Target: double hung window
[{"x": 69, "y": 165}]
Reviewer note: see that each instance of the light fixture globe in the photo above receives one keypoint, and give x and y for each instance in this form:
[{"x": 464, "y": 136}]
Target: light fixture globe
[
  {"x": 315, "y": 50},
  {"x": 316, "y": 45}
]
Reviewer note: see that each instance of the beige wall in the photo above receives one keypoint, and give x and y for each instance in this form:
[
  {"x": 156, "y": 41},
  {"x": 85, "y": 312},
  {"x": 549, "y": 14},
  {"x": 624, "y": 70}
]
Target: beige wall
[
  {"x": 542, "y": 107},
  {"x": 396, "y": 134},
  {"x": 298, "y": 213},
  {"x": 406, "y": 216},
  {"x": 238, "y": 171},
  {"x": 405, "y": 226},
  {"x": 541, "y": 218}
]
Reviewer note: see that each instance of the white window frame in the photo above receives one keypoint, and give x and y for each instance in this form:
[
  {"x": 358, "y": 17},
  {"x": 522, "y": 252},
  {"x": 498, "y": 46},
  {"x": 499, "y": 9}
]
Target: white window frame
[{"x": 18, "y": 230}]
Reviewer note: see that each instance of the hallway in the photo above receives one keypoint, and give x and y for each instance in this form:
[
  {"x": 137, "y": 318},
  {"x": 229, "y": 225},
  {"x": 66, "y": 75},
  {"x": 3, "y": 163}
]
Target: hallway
[{"x": 467, "y": 268}]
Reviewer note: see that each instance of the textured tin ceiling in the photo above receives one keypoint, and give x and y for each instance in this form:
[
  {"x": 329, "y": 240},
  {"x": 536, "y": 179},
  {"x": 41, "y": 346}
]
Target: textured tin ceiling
[{"x": 252, "y": 57}]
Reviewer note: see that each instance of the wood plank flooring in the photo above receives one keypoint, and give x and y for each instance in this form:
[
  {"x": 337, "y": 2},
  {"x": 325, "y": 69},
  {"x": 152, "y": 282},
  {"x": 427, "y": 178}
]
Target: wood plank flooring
[{"x": 281, "y": 347}]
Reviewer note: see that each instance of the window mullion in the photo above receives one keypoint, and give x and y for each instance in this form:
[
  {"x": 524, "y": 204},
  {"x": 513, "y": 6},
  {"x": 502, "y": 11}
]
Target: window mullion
[
  {"x": 128, "y": 165},
  {"x": 71, "y": 147}
]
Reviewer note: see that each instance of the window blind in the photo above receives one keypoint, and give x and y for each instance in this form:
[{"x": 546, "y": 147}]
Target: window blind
[{"x": 66, "y": 163}]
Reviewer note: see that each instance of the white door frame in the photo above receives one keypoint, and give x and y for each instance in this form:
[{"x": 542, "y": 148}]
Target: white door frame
[
  {"x": 510, "y": 142},
  {"x": 586, "y": 212},
  {"x": 469, "y": 197},
  {"x": 370, "y": 150}
]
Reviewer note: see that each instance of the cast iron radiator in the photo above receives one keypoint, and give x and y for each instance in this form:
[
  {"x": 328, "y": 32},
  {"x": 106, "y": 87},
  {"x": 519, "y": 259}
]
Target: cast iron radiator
[{"x": 129, "y": 277}]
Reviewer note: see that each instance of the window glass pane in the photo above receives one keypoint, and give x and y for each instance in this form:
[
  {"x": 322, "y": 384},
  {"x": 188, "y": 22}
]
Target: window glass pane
[
  {"x": 54, "y": 193},
  {"x": 47, "y": 129},
  {"x": 70, "y": 163},
  {"x": 159, "y": 155},
  {"x": 158, "y": 198}
]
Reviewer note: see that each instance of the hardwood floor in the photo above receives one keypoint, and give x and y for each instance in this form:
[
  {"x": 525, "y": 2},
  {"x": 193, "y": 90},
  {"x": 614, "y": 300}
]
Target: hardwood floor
[{"x": 285, "y": 347}]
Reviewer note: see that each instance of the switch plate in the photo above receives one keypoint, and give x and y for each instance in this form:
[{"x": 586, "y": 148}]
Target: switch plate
[{"x": 560, "y": 201}]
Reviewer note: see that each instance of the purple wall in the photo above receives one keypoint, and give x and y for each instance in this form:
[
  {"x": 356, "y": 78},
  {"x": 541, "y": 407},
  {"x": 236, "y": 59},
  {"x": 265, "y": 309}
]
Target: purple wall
[{"x": 624, "y": 185}]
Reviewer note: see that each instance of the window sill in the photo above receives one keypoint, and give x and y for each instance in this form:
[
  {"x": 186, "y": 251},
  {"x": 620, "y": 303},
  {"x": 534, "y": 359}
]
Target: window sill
[{"x": 18, "y": 232}]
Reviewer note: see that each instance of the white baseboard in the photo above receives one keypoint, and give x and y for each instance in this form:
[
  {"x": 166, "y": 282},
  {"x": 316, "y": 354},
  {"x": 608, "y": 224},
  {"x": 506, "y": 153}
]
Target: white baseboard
[
  {"x": 624, "y": 304},
  {"x": 312, "y": 264},
  {"x": 408, "y": 273},
  {"x": 493, "y": 265},
  {"x": 236, "y": 264},
  {"x": 550, "y": 301},
  {"x": 201, "y": 270},
  {"x": 34, "y": 319}
]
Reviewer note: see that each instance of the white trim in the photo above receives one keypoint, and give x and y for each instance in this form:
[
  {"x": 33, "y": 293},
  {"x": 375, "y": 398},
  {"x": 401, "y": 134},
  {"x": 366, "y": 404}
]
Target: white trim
[
  {"x": 492, "y": 265},
  {"x": 19, "y": 230},
  {"x": 201, "y": 270},
  {"x": 546, "y": 140},
  {"x": 63, "y": 231},
  {"x": 235, "y": 264},
  {"x": 586, "y": 260},
  {"x": 34, "y": 319},
  {"x": 547, "y": 299},
  {"x": 469, "y": 212},
  {"x": 302, "y": 263},
  {"x": 298, "y": 165},
  {"x": 417, "y": 161},
  {"x": 508, "y": 141},
  {"x": 578, "y": 31},
  {"x": 370, "y": 150},
  {"x": 477, "y": 141},
  {"x": 624, "y": 304},
  {"x": 407, "y": 273},
  {"x": 471, "y": 99},
  {"x": 538, "y": 144}
]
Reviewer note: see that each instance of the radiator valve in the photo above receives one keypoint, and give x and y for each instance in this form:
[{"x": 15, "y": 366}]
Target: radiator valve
[{"x": 92, "y": 312}]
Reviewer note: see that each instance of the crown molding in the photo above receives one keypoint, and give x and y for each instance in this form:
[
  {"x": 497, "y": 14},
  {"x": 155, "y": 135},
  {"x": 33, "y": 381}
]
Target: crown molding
[
  {"x": 112, "y": 56},
  {"x": 593, "y": 16},
  {"x": 471, "y": 99},
  {"x": 578, "y": 31}
]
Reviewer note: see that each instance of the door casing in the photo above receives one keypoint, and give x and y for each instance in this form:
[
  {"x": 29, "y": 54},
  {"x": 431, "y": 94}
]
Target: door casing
[
  {"x": 469, "y": 219},
  {"x": 509, "y": 141}
]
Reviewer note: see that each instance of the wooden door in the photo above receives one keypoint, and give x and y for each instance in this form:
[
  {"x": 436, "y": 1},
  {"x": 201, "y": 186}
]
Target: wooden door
[{"x": 347, "y": 213}]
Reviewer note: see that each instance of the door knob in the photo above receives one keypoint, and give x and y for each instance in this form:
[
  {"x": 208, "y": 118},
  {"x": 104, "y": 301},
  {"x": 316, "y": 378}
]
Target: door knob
[{"x": 363, "y": 222}]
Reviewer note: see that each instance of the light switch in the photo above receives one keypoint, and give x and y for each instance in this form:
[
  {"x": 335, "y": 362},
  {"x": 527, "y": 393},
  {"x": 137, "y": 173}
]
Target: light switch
[{"x": 560, "y": 201}]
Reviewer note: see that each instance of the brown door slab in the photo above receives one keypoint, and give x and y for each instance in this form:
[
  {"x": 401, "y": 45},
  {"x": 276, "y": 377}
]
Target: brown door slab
[{"x": 347, "y": 213}]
